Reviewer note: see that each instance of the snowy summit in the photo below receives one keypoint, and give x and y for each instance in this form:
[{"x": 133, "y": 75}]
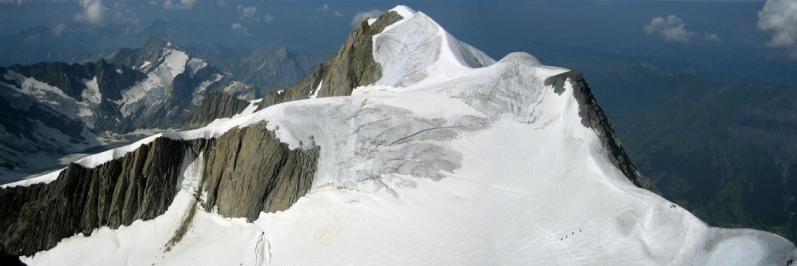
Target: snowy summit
[{"x": 449, "y": 158}]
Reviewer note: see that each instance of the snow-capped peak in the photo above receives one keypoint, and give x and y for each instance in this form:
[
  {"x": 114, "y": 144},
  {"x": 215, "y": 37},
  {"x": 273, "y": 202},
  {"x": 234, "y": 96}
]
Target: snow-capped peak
[
  {"x": 160, "y": 75},
  {"x": 404, "y": 11},
  {"x": 452, "y": 157},
  {"x": 416, "y": 49}
]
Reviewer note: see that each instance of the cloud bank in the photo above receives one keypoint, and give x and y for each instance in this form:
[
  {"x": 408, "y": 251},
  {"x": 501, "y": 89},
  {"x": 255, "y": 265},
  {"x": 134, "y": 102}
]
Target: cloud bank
[
  {"x": 672, "y": 28},
  {"x": 179, "y": 4},
  {"x": 240, "y": 29},
  {"x": 247, "y": 12},
  {"x": 93, "y": 12},
  {"x": 780, "y": 18}
]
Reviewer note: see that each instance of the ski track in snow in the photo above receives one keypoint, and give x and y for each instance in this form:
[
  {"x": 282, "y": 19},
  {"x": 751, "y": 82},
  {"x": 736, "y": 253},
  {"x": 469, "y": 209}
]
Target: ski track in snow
[{"x": 450, "y": 158}]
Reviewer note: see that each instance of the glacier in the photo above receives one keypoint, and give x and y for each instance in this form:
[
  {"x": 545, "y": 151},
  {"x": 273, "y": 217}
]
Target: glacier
[{"x": 450, "y": 158}]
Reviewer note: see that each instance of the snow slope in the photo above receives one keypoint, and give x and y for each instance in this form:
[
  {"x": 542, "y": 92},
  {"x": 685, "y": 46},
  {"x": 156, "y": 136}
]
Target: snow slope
[{"x": 450, "y": 158}]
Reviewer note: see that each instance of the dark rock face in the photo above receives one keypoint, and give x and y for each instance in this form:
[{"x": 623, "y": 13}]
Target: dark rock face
[
  {"x": 69, "y": 78},
  {"x": 113, "y": 79},
  {"x": 140, "y": 185},
  {"x": 300, "y": 91},
  {"x": 354, "y": 64},
  {"x": 351, "y": 67},
  {"x": 135, "y": 58},
  {"x": 217, "y": 105},
  {"x": 34, "y": 129},
  {"x": 175, "y": 108},
  {"x": 249, "y": 170},
  {"x": 592, "y": 116},
  {"x": 246, "y": 171},
  {"x": 22, "y": 128},
  {"x": 47, "y": 126}
]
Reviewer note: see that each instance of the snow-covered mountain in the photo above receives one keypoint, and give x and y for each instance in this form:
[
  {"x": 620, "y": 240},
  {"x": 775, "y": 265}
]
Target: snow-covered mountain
[
  {"x": 175, "y": 83},
  {"x": 55, "y": 109},
  {"x": 439, "y": 155}
]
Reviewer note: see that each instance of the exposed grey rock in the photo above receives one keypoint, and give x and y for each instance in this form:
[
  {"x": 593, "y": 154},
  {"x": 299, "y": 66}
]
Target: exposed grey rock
[
  {"x": 247, "y": 171},
  {"x": 135, "y": 58},
  {"x": 354, "y": 64},
  {"x": 185, "y": 224},
  {"x": 217, "y": 105},
  {"x": 351, "y": 67},
  {"x": 140, "y": 185},
  {"x": 69, "y": 78},
  {"x": 30, "y": 132},
  {"x": 300, "y": 91},
  {"x": 592, "y": 116},
  {"x": 41, "y": 129}
]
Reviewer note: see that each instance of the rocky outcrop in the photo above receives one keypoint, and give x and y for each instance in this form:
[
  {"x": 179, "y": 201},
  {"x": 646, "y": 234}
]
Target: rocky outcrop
[
  {"x": 354, "y": 63},
  {"x": 247, "y": 171},
  {"x": 27, "y": 130},
  {"x": 56, "y": 109},
  {"x": 592, "y": 116},
  {"x": 143, "y": 58},
  {"x": 69, "y": 78},
  {"x": 351, "y": 67},
  {"x": 139, "y": 185},
  {"x": 113, "y": 79},
  {"x": 217, "y": 105},
  {"x": 300, "y": 91},
  {"x": 72, "y": 78}
]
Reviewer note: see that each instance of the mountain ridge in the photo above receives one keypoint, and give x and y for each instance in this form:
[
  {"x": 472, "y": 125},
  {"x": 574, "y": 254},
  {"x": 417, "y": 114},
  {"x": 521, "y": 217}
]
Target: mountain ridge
[
  {"x": 71, "y": 108},
  {"x": 446, "y": 146}
]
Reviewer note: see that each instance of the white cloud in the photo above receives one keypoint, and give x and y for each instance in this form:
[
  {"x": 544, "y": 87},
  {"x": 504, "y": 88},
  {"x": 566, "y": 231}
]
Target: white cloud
[
  {"x": 268, "y": 18},
  {"x": 780, "y": 18},
  {"x": 239, "y": 28},
  {"x": 327, "y": 8},
  {"x": 713, "y": 37},
  {"x": 247, "y": 12},
  {"x": 360, "y": 16},
  {"x": 672, "y": 28},
  {"x": 179, "y": 4},
  {"x": 99, "y": 12},
  {"x": 59, "y": 29},
  {"x": 93, "y": 12}
]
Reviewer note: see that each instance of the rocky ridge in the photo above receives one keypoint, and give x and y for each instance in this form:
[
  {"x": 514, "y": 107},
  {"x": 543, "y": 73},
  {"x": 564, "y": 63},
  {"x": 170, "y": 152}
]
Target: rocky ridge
[
  {"x": 246, "y": 171},
  {"x": 58, "y": 109}
]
